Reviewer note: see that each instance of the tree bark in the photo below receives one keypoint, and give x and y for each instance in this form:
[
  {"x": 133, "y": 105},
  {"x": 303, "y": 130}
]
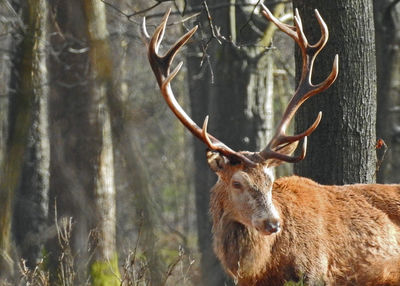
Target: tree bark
[
  {"x": 26, "y": 163},
  {"x": 387, "y": 23},
  {"x": 82, "y": 182},
  {"x": 104, "y": 266},
  {"x": 342, "y": 149},
  {"x": 32, "y": 201},
  {"x": 74, "y": 141}
]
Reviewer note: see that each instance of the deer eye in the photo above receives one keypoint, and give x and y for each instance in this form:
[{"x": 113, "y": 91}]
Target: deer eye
[{"x": 237, "y": 185}]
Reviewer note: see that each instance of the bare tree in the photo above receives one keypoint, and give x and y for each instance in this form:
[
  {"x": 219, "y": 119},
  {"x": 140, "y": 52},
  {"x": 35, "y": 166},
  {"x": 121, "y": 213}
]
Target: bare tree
[
  {"x": 25, "y": 169},
  {"x": 82, "y": 181},
  {"x": 104, "y": 267},
  {"x": 32, "y": 201}
]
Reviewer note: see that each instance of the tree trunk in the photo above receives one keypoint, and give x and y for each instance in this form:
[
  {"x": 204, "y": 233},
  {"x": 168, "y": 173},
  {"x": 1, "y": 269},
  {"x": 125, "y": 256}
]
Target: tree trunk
[
  {"x": 82, "y": 182},
  {"x": 74, "y": 142},
  {"x": 104, "y": 266},
  {"x": 342, "y": 149},
  {"x": 387, "y": 23},
  {"x": 234, "y": 86},
  {"x": 32, "y": 201},
  {"x": 26, "y": 163}
]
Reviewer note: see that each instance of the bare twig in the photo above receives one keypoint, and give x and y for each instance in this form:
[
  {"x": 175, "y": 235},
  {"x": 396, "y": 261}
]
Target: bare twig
[
  {"x": 199, "y": 8},
  {"x": 66, "y": 260},
  {"x": 134, "y": 269},
  {"x": 37, "y": 276},
  {"x": 214, "y": 32},
  {"x": 137, "y": 13},
  {"x": 250, "y": 17},
  {"x": 173, "y": 265}
]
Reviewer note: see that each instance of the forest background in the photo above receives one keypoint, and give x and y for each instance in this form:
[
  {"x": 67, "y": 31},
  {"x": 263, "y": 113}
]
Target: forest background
[{"x": 101, "y": 185}]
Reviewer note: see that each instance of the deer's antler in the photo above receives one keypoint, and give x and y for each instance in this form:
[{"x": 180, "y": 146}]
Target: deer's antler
[
  {"x": 305, "y": 88},
  {"x": 161, "y": 65}
]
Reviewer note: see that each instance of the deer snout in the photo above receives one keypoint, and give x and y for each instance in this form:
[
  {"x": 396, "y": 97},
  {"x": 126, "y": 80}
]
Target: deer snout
[
  {"x": 268, "y": 226},
  {"x": 272, "y": 226}
]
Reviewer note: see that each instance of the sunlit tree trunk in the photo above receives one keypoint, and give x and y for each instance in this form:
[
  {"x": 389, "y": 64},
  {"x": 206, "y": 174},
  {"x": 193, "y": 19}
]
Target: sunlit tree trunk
[
  {"x": 234, "y": 86},
  {"x": 25, "y": 166},
  {"x": 104, "y": 266},
  {"x": 387, "y": 23},
  {"x": 342, "y": 149}
]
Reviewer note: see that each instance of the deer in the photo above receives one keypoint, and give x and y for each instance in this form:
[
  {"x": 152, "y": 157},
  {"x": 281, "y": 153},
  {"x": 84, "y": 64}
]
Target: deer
[{"x": 268, "y": 231}]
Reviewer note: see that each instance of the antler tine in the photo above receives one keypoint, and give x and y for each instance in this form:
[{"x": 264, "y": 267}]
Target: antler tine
[
  {"x": 144, "y": 31},
  {"x": 288, "y": 29},
  {"x": 331, "y": 77},
  {"x": 161, "y": 68},
  {"x": 220, "y": 147},
  {"x": 305, "y": 89},
  {"x": 324, "y": 28}
]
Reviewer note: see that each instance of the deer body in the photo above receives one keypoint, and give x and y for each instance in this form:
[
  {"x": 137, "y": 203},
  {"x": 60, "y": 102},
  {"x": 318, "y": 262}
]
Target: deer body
[
  {"x": 329, "y": 234},
  {"x": 267, "y": 232}
]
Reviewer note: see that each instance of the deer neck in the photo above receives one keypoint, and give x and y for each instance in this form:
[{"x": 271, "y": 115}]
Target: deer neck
[{"x": 242, "y": 250}]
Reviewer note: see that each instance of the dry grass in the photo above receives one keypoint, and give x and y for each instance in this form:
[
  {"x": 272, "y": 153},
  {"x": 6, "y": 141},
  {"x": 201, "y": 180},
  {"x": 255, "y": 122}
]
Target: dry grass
[
  {"x": 135, "y": 270},
  {"x": 36, "y": 276}
]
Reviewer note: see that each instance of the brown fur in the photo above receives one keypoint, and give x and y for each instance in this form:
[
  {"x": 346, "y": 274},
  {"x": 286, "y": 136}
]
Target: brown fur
[
  {"x": 330, "y": 235},
  {"x": 383, "y": 273}
]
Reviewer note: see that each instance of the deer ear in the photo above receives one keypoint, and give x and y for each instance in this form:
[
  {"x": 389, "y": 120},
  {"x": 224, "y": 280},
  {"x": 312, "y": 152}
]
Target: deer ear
[
  {"x": 285, "y": 150},
  {"x": 216, "y": 161}
]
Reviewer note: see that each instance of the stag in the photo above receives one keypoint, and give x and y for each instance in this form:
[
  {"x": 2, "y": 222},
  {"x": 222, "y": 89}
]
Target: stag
[{"x": 268, "y": 231}]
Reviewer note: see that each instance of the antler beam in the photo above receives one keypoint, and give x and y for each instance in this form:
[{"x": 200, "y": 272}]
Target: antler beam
[
  {"x": 305, "y": 88},
  {"x": 161, "y": 67}
]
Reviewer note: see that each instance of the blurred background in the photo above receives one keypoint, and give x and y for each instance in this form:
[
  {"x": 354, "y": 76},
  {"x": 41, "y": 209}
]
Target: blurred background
[{"x": 100, "y": 184}]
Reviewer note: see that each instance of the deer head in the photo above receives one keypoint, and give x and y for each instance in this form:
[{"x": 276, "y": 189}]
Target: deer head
[{"x": 246, "y": 178}]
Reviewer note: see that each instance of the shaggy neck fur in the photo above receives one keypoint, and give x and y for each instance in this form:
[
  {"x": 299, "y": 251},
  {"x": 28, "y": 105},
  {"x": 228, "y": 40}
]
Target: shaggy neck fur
[{"x": 243, "y": 251}]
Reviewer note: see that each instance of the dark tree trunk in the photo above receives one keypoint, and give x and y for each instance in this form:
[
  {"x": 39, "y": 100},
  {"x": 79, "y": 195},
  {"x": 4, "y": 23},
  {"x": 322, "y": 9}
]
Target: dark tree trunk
[
  {"x": 342, "y": 149},
  {"x": 31, "y": 208},
  {"x": 75, "y": 130},
  {"x": 24, "y": 170},
  {"x": 234, "y": 86},
  {"x": 387, "y": 23},
  {"x": 71, "y": 132}
]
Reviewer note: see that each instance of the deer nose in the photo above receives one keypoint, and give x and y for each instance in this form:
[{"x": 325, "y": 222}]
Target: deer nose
[{"x": 272, "y": 226}]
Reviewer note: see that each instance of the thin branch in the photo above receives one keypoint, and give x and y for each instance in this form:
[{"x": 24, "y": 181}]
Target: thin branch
[
  {"x": 195, "y": 9},
  {"x": 250, "y": 17},
  {"x": 144, "y": 10},
  {"x": 214, "y": 30},
  {"x": 20, "y": 22},
  {"x": 186, "y": 19},
  {"x": 136, "y": 13}
]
